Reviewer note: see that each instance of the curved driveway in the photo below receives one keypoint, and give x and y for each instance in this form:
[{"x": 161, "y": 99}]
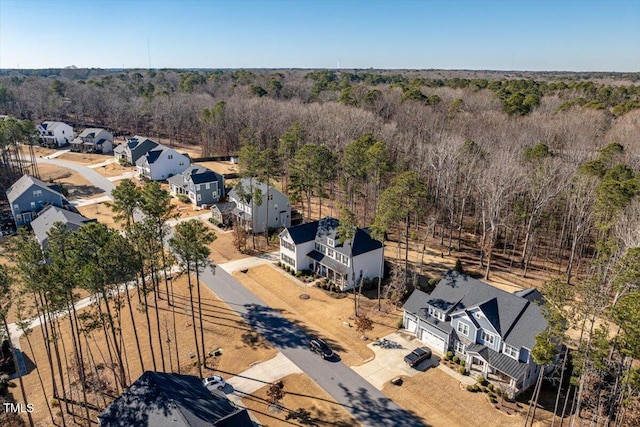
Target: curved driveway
[{"x": 367, "y": 404}]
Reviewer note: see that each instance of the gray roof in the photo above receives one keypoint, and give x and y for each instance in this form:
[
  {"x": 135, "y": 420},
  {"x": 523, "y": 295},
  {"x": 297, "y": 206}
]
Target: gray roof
[
  {"x": 197, "y": 174},
  {"x": 51, "y": 125},
  {"x": 88, "y": 131},
  {"x": 224, "y": 207},
  {"x": 505, "y": 364},
  {"x": 418, "y": 303},
  {"x": 23, "y": 184},
  {"x": 515, "y": 318},
  {"x": 327, "y": 261},
  {"x": 246, "y": 184},
  {"x": 52, "y": 214},
  {"x": 159, "y": 399}
]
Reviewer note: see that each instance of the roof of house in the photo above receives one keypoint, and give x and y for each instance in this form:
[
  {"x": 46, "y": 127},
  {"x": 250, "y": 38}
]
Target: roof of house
[
  {"x": 197, "y": 174},
  {"x": 48, "y": 125},
  {"x": 327, "y": 229},
  {"x": 514, "y": 317},
  {"x": 140, "y": 143},
  {"x": 23, "y": 184},
  {"x": 224, "y": 207},
  {"x": 159, "y": 399},
  {"x": 502, "y": 362},
  {"x": 246, "y": 184},
  {"x": 91, "y": 132},
  {"x": 52, "y": 214}
]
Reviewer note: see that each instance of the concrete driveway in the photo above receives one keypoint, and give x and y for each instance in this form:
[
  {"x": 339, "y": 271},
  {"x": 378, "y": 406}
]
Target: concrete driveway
[{"x": 389, "y": 362}]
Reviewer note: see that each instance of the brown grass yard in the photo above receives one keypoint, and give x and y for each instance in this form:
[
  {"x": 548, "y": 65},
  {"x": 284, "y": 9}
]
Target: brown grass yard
[
  {"x": 440, "y": 401},
  {"x": 220, "y": 167},
  {"x": 77, "y": 185},
  {"x": 222, "y": 249},
  {"x": 102, "y": 212},
  {"x": 85, "y": 158},
  {"x": 300, "y": 392},
  {"x": 114, "y": 169},
  {"x": 223, "y": 329},
  {"x": 323, "y": 315}
]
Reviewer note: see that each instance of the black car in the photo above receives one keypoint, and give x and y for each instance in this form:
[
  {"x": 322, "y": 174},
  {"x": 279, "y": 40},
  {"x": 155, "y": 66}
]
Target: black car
[
  {"x": 417, "y": 356},
  {"x": 321, "y": 347}
]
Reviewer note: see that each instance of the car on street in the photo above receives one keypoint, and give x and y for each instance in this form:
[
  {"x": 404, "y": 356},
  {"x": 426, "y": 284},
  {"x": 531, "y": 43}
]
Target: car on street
[
  {"x": 319, "y": 346},
  {"x": 418, "y": 355},
  {"x": 215, "y": 381}
]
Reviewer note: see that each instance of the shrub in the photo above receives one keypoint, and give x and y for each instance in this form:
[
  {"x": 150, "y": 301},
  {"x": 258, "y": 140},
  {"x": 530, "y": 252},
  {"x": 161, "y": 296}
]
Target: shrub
[
  {"x": 433, "y": 282},
  {"x": 493, "y": 400},
  {"x": 490, "y": 387},
  {"x": 463, "y": 362},
  {"x": 400, "y": 324},
  {"x": 482, "y": 381},
  {"x": 462, "y": 370},
  {"x": 298, "y": 273},
  {"x": 456, "y": 359},
  {"x": 449, "y": 355},
  {"x": 55, "y": 402},
  {"x": 472, "y": 388},
  {"x": 184, "y": 198},
  {"x": 458, "y": 267},
  {"x": 485, "y": 390}
]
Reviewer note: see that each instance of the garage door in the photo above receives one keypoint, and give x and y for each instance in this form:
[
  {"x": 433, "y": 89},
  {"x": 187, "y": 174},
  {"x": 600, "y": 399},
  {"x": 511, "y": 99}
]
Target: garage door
[
  {"x": 435, "y": 342},
  {"x": 411, "y": 324}
]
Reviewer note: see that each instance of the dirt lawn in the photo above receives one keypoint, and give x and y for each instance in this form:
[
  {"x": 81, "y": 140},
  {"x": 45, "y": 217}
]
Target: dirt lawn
[
  {"x": 85, "y": 158},
  {"x": 73, "y": 182},
  {"x": 220, "y": 167},
  {"x": 114, "y": 169},
  {"x": 300, "y": 392},
  {"x": 323, "y": 315},
  {"x": 102, "y": 213},
  {"x": 224, "y": 329},
  {"x": 222, "y": 249},
  {"x": 440, "y": 401}
]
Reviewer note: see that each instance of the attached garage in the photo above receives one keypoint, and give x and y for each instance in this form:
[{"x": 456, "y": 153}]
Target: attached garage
[
  {"x": 435, "y": 342},
  {"x": 410, "y": 323}
]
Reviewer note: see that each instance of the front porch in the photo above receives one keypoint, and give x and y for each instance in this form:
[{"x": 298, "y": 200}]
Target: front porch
[
  {"x": 502, "y": 370},
  {"x": 325, "y": 266}
]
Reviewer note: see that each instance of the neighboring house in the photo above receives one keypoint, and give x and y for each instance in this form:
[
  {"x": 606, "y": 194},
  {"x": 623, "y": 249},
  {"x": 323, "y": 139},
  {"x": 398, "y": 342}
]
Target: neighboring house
[
  {"x": 223, "y": 212},
  {"x": 203, "y": 186},
  {"x": 163, "y": 399},
  {"x": 133, "y": 149},
  {"x": 51, "y": 215},
  {"x": 93, "y": 140},
  {"x": 55, "y": 134},
  {"x": 161, "y": 163},
  {"x": 253, "y": 215},
  {"x": 314, "y": 246},
  {"x": 28, "y": 196},
  {"x": 492, "y": 330}
]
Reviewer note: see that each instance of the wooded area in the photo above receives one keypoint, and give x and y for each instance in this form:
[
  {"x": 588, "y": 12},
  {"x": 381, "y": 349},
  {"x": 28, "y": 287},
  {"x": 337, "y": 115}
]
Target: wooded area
[{"x": 533, "y": 172}]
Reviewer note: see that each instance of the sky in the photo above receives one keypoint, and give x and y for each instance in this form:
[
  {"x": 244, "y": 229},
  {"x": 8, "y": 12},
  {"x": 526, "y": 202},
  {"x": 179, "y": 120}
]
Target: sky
[{"x": 541, "y": 35}]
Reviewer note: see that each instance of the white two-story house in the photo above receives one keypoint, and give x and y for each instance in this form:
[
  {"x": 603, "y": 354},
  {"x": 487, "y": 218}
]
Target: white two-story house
[
  {"x": 315, "y": 246},
  {"x": 161, "y": 163},
  {"x": 273, "y": 210},
  {"x": 492, "y": 330},
  {"x": 55, "y": 134}
]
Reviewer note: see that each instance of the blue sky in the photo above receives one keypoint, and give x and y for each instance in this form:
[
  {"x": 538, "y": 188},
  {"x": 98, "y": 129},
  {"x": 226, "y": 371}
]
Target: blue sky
[{"x": 572, "y": 35}]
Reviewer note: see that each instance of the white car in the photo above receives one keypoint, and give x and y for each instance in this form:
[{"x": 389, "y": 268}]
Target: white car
[{"x": 215, "y": 381}]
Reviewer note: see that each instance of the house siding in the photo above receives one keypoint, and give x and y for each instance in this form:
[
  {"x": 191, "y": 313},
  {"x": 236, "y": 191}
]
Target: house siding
[
  {"x": 369, "y": 263},
  {"x": 22, "y": 204}
]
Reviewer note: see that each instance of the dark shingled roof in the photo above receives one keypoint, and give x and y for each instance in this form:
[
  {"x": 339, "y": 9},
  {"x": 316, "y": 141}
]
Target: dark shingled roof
[
  {"x": 159, "y": 399},
  {"x": 326, "y": 229},
  {"x": 23, "y": 184},
  {"x": 153, "y": 155},
  {"x": 328, "y": 262},
  {"x": 515, "y": 318},
  {"x": 418, "y": 303},
  {"x": 514, "y": 368}
]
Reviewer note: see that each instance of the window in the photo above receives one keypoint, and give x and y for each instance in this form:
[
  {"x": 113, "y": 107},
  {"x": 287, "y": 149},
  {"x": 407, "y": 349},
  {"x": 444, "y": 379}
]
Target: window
[
  {"x": 16, "y": 208},
  {"x": 486, "y": 337},
  {"x": 459, "y": 347},
  {"x": 33, "y": 206},
  {"x": 181, "y": 164},
  {"x": 214, "y": 194},
  {"x": 317, "y": 246},
  {"x": 463, "y": 328},
  {"x": 199, "y": 197},
  {"x": 511, "y": 351},
  {"x": 170, "y": 156},
  {"x": 197, "y": 187},
  {"x": 330, "y": 252},
  {"x": 288, "y": 260},
  {"x": 207, "y": 186},
  {"x": 288, "y": 245},
  {"x": 331, "y": 243},
  {"x": 37, "y": 193},
  {"x": 440, "y": 315}
]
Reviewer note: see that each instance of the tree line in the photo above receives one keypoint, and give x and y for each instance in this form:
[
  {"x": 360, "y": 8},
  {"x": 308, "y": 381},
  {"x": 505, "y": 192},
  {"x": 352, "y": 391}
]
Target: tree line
[{"x": 123, "y": 272}]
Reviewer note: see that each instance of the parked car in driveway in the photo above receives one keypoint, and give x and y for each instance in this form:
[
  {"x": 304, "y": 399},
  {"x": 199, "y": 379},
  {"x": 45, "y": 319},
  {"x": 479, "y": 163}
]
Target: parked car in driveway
[
  {"x": 215, "y": 381},
  {"x": 319, "y": 346},
  {"x": 418, "y": 355}
]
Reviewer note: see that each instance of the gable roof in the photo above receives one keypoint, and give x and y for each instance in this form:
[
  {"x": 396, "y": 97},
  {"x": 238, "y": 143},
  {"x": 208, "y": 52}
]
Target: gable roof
[
  {"x": 141, "y": 143},
  {"x": 52, "y": 214},
  {"x": 197, "y": 174},
  {"x": 327, "y": 229},
  {"x": 23, "y": 184},
  {"x": 159, "y": 399},
  {"x": 246, "y": 184},
  {"x": 49, "y": 125},
  {"x": 515, "y": 318}
]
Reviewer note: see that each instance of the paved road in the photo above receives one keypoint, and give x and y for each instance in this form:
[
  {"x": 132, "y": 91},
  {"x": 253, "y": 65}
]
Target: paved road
[
  {"x": 91, "y": 175},
  {"x": 367, "y": 404}
]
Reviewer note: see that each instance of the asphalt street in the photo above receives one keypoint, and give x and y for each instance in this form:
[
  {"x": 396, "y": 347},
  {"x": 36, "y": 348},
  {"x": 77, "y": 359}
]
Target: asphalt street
[{"x": 366, "y": 403}]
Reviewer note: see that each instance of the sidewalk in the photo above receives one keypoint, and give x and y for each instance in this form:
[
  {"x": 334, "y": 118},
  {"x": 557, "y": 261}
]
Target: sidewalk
[
  {"x": 262, "y": 374},
  {"x": 105, "y": 163},
  {"x": 246, "y": 263},
  {"x": 56, "y": 154},
  {"x": 126, "y": 175}
]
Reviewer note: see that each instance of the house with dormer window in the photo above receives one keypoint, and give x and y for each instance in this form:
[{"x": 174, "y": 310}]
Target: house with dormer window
[
  {"x": 258, "y": 206},
  {"x": 493, "y": 330},
  {"x": 55, "y": 134},
  {"x": 203, "y": 186},
  {"x": 161, "y": 163},
  {"x": 315, "y": 246}
]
